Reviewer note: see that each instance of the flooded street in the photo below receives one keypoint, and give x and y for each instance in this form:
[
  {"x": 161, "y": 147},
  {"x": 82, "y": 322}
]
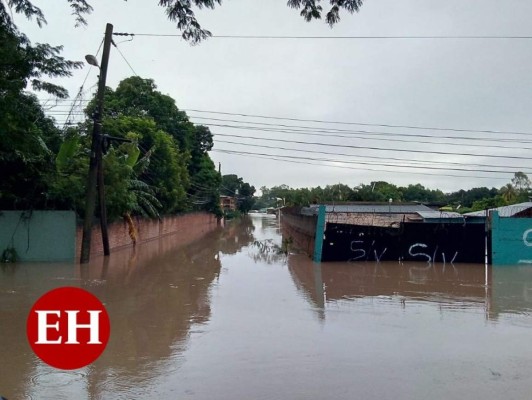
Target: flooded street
[{"x": 232, "y": 317}]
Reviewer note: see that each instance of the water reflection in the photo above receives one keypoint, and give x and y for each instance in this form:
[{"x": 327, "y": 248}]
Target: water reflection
[
  {"x": 154, "y": 295},
  {"x": 452, "y": 285},
  {"x": 512, "y": 290},
  {"x": 494, "y": 290},
  {"x": 230, "y": 316},
  {"x": 237, "y": 234}
]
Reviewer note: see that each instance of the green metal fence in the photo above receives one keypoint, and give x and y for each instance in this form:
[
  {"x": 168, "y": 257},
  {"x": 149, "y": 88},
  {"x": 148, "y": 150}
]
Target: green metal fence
[
  {"x": 511, "y": 240},
  {"x": 38, "y": 235}
]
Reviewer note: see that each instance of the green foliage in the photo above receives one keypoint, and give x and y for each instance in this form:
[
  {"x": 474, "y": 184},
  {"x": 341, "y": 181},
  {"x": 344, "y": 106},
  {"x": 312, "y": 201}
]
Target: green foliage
[
  {"x": 117, "y": 176},
  {"x": 138, "y": 98},
  {"x": 167, "y": 172},
  {"x": 205, "y": 186},
  {"x": 181, "y": 170},
  {"x": 67, "y": 187},
  {"x": 29, "y": 139},
  {"x": 463, "y": 200},
  {"x": 144, "y": 201},
  {"x": 23, "y": 63},
  {"x": 26, "y": 151},
  {"x": 182, "y": 12},
  {"x": 232, "y": 185},
  {"x": 165, "y": 167},
  {"x": 67, "y": 151}
]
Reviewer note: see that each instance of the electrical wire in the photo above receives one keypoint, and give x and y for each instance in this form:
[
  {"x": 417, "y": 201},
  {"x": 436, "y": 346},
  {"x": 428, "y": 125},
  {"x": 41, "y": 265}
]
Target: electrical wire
[
  {"x": 375, "y": 148},
  {"x": 354, "y": 136},
  {"x": 330, "y": 122},
  {"x": 279, "y": 158},
  {"x": 387, "y": 164},
  {"x": 428, "y": 128},
  {"x": 389, "y": 37},
  {"x": 300, "y": 128},
  {"x": 402, "y": 160}
]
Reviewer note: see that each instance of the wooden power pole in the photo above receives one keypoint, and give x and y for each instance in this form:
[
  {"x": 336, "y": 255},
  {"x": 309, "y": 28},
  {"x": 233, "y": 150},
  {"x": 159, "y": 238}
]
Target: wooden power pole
[{"x": 95, "y": 166}]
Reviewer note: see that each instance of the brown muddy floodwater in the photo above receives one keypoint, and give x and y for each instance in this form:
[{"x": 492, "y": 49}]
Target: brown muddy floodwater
[{"x": 227, "y": 317}]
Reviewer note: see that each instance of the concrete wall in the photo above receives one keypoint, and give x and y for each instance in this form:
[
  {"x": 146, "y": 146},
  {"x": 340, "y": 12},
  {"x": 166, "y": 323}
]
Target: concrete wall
[
  {"x": 187, "y": 225},
  {"x": 511, "y": 240},
  {"x": 39, "y": 235},
  {"x": 301, "y": 228}
]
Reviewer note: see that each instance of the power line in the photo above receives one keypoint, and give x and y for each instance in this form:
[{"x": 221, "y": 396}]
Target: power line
[
  {"x": 364, "y": 135},
  {"x": 354, "y": 136},
  {"x": 360, "y": 37},
  {"x": 375, "y": 148},
  {"x": 286, "y": 159},
  {"x": 366, "y": 157},
  {"x": 306, "y": 128},
  {"x": 361, "y": 123},
  {"x": 267, "y": 117},
  {"x": 388, "y": 164}
]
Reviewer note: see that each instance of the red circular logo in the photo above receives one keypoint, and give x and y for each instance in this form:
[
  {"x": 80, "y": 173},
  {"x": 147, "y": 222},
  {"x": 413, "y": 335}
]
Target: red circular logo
[{"x": 68, "y": 328}]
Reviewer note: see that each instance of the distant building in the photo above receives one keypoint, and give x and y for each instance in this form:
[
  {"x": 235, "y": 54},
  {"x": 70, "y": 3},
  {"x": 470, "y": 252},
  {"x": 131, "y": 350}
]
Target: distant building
[{"x": 228, "y": 203}]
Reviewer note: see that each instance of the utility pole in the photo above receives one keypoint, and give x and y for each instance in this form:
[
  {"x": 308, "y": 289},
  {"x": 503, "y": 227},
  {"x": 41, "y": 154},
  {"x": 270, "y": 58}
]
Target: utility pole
[{"x": 95, "y": 165}]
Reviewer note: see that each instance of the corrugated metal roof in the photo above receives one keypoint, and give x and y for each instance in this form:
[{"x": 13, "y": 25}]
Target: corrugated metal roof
[
  {"x": 394, "y": 208},
  {"x": 506, "y": 211},
  {"x": 440, "y": 215}
]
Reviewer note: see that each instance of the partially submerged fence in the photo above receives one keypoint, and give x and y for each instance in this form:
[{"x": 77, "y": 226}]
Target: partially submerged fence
[
  {"x": 427, "y": 242},
  {"x": 53, "y": 235},
  {"x": 380, "y": 236},
  {"x": 300, "y": 227},
  {"x": 511, "y": 240},
  {"x": 39, "y": 235}
]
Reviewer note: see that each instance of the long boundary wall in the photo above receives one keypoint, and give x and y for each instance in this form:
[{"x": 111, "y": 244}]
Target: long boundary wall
[
  {"x": 52, "y": 236},
  {"x": 186, "y": 225},
  {"x": 301, "y": 228}
]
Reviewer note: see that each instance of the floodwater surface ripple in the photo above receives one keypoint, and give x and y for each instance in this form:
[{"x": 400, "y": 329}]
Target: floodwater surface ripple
[{"x": 238, "y": 315}]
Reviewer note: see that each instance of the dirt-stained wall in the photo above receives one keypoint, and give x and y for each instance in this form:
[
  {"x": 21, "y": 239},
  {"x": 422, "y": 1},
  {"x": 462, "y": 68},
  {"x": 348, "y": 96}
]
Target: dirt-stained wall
[
  {"x": 183, "y": 226},
  {"x": 301, "y": 229}
]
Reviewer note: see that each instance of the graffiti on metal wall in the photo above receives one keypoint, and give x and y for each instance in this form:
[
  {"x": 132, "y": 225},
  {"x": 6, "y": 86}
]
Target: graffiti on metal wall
[{"x": 429, "y": 243}]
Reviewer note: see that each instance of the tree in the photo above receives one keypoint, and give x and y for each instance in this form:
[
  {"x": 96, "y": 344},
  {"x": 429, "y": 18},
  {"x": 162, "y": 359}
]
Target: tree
[
  {"x": 29, "y": 138},
  {"x": 233, "y": 185},
  {"x": 182, "y": 12},
  {"x": 420, "y": 193},
  {"x": 27, "y": 147},
  {"x": 23, "y": 64},
  {"x": 167, "y": 171},
  {"x": 521, "y": 182},
  {"x": 508, "y": 193},
  {"x": 137, "y": 101},
  {"x": 379, "y": 191}
]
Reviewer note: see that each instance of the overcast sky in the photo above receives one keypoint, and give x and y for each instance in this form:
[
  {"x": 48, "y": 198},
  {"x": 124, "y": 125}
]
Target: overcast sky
[{"x": 451, "y": 83}]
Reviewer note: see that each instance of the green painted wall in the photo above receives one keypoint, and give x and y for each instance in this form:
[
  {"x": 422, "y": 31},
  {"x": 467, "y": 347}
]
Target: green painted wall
[
  {"x": 511, "y": 240},
  {"x": 39, "y": 235}
]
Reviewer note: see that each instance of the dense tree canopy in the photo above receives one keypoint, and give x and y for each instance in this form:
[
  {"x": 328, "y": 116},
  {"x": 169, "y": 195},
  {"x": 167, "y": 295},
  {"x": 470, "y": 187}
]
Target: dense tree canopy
[
  {"x": 29, "y": 138},
  {"x": 474, "y": 199},
  {"x": 180, "y": 170}
]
